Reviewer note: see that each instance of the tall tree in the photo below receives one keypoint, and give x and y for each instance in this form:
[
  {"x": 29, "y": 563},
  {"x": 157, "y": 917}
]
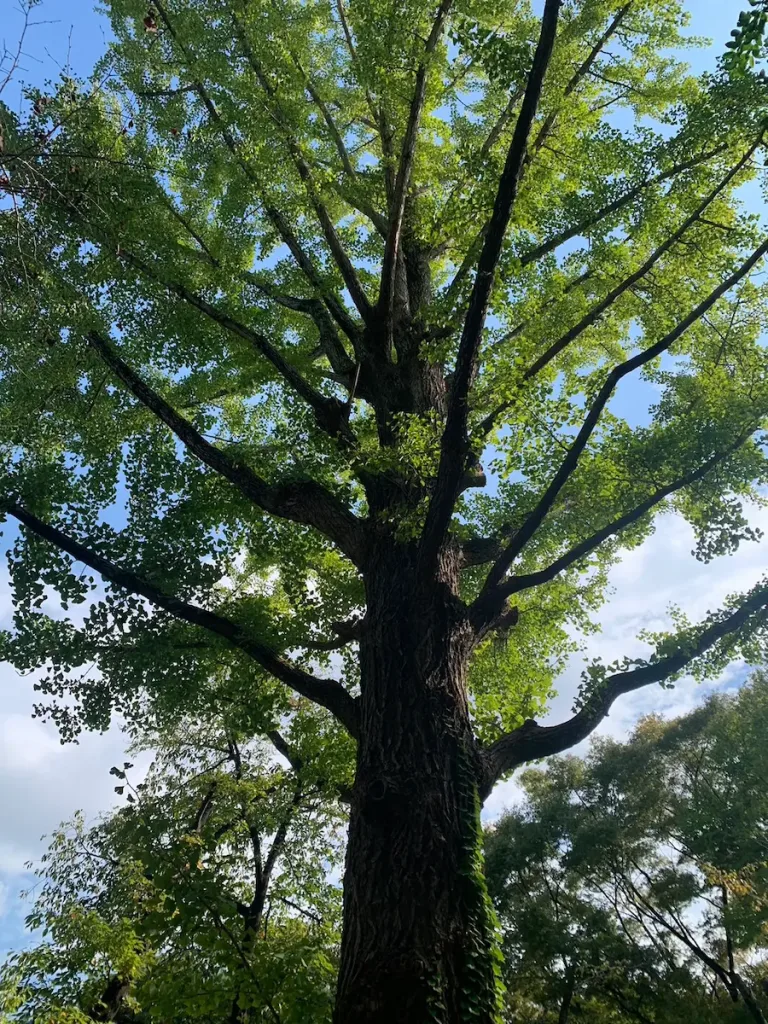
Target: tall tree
[
  {"x": 637, "y": 876},
  {"x": 314, "y": 315}
]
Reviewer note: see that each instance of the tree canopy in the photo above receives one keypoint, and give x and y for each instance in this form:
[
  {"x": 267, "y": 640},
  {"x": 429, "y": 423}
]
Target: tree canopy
[
  {"x": 204, "y": 898},
  {"x": 632, "y": 882},
  {"x": 185, "y": 245},
  {"x": 317, "y": 321}
]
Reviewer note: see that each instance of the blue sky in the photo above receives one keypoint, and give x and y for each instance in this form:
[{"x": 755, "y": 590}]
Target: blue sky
[{"x": 42, "y": 782}]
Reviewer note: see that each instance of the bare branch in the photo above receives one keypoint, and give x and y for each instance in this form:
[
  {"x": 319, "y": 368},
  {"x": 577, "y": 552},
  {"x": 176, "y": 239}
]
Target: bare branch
[{"x": 327, "y": 693}]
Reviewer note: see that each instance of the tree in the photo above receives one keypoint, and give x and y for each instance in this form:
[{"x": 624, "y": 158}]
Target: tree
[
  {"x": 637, "y": 876},
  {"x": 334, "y": 301},
  {"x": 203, "y": 899}
]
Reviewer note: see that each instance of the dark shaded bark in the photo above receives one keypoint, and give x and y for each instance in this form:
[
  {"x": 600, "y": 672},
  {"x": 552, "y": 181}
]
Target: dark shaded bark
[
  {"x": 745, "y": 991},
  {"x": 565, "y": 1002},
  {"x": 418, "y": 933},
  {"x": 111, "y": 1004}
]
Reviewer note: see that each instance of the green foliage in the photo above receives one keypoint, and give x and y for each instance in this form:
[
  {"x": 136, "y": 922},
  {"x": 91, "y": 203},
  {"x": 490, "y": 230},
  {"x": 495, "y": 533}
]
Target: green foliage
[
  {"x": 136, "y": 191},
  {"x": 239, "y": 375},
  {"x": 747, "y": 39},
  {"x": 628, "y": 873},
  {"x": 168, "y": 909}
]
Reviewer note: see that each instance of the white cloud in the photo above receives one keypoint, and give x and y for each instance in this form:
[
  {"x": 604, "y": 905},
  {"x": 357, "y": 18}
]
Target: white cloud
[
  {"x": 25, "y": 745},
  {"x": 42, "y": 783}
]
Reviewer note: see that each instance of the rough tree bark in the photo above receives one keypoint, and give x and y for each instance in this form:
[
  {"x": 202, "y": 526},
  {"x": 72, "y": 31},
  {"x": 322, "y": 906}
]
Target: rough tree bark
[{"x": 418, "y": 925}]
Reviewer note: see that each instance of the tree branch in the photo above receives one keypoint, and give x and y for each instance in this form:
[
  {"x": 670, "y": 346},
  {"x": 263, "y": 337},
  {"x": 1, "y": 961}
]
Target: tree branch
[
  {"x": 454, "y": 441},
  {"x": 282, "y": 747},
  {"x": 580, "y": 227},
  {"x": 592, "y": 220},
  {"x": 378, "y": 220},
  {"x": 342, "y": 260},
  {"x": 405, "y": 166},
  {"x": 279, "y": 222},
  {"x": 330, "y": 342},
  {"x": 589, "y": 544},
  {"x": 531, "y": 741},
  {"x": 330, "y": 414},
  {"x": 578, "y": 75},
  {"x": 571, "y": 460},
  {"x": 615, "y": 293},
  {"x": 479, "y": 550},
  {"x": 307, "y": 502},
  {"x": 327, "y": 693},
  {"x": 278, "y": 842}
]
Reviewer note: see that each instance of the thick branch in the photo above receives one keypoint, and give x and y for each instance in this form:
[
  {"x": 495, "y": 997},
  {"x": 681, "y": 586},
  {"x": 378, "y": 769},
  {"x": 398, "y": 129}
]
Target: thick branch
[
  {"x": 578, "y": 75},
  {"x": 571, "y": 460},
  {"x": 329, "y": 339},
  {"x": 307, "y": 502},
  {"x": 335, "y": 307},
  {"x": 454, "y": 440},
  {"x": 531, "y": 741},
  {"x": 325, "y": 692},
  {"x": 541, "y": 137},
  {"x": 282, "y": 747},
  {"x": 479, "y": 550}
]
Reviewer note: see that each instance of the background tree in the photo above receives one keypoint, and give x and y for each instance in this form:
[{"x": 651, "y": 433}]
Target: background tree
[
  {"x": 334, "y": 301},
  {"x": 636, "y": 878},
  {"x": 204, "y": 899}
]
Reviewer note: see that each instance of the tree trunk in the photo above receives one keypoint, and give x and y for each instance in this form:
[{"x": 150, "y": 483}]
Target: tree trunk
[
  {"x": 419, "y": 939},
  {"x": 749, "y": 999},
  {"x": 565, "y": 1003}
]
